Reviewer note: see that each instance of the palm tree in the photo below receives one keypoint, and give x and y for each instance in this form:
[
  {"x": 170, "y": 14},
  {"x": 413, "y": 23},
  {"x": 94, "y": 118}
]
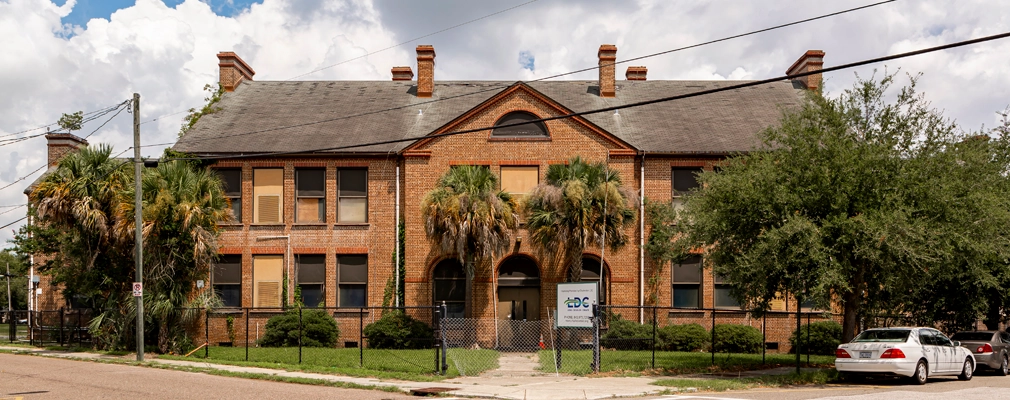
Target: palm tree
[
  {"x": 467, "y": 215},
  {"x": 183, "y": 204},
  {"x": 579, "y": 205}
]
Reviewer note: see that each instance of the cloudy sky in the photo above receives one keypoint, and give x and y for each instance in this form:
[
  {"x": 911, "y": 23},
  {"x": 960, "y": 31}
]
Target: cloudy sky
[{"x": 65, "y": 55}]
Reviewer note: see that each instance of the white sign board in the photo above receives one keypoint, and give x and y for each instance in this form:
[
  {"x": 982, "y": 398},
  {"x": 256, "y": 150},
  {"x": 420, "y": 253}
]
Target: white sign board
[
  {"x": 138, "y": 289},
  {"x": 575, "y": 304}
]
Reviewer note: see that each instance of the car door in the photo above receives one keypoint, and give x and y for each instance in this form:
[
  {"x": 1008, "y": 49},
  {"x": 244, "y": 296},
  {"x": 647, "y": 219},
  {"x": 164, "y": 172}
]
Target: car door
[
  {"x": 929, "y": 350},
  {"x": 950, "y": 357},
  {"x": 1004, "y": 339}
]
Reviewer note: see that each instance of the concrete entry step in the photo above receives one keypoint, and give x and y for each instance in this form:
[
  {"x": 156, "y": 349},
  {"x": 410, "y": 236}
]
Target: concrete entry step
[{"x": 516, "y": 364}]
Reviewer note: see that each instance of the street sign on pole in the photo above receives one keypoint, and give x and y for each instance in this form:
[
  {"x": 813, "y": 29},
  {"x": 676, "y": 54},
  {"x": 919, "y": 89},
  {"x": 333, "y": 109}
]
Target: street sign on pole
[
  {"x": 575, "y": 304},
  {"x": 138, "y": 289}
]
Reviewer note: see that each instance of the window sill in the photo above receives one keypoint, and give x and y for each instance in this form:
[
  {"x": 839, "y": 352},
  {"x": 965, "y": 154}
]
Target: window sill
[
  {"x": 351, "y": 224},
  {"x": 309, "y": 224},
  {"x": 279, "y": 224}
]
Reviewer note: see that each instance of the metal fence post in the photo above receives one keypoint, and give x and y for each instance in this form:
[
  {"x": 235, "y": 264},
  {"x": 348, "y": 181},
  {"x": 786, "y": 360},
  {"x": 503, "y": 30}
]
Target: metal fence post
[
  {"x": 300, "y": 324},
  {"x": 361, "y": 338},
  {"x": 764, "y": 336},
  {"x": 80, "y": 342},
  {"x": 596, "y": 338},
  {"x": 799, "y": 345},
  {"x": 808, "y": 339},
  {"x": 654, "y": 323},
  {"x": 247, "y": 334},
  {"x": 436, "y": 321},
  {"x": 206, "y": 332},
  {"x": 61, "y": 326},
  {"x": 713, "y": 336},
  {"x": 445, "y": 361}
]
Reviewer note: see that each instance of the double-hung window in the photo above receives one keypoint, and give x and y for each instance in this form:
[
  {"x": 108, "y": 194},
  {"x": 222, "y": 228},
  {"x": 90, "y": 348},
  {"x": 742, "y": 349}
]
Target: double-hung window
[
  {"x": 352, "y": 195},
  {"x": 724, "y": 294},
  {"x": 352, "y": 280},
  {"x": 684, "y": 179},
  {"x": 310, "y": 193},
  {"x": 686, "y": 283},
  {"x": 268, "y": 277},
  {"x": 268, "y": 193},
  {"x": 311, "y": 278},
  {"x": 232, "y": 181},
  {"x": 228, "y": 280}
]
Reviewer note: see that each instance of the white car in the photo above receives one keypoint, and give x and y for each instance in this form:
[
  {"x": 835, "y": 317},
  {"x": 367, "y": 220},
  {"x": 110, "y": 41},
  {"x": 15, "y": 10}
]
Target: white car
[{"x": 917, "y": 353}]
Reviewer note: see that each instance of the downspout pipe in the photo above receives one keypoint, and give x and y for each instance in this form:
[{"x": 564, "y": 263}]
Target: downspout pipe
[
  {"x": 396, "y": 230},
  {"x": 641, "y": 242}
]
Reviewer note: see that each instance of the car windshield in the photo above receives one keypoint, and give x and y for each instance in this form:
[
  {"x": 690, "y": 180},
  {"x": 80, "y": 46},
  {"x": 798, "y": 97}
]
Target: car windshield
[
  {"x": 883, "y": 335},
  {"x": 975, "y": 336}
]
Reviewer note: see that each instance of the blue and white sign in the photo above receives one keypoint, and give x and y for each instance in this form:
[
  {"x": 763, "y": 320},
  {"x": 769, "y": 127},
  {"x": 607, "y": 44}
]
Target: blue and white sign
[{"x": 575, "y": 304}]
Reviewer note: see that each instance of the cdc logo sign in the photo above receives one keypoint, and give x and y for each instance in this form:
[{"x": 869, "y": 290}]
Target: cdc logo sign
[{"x": 575, "y": 304}]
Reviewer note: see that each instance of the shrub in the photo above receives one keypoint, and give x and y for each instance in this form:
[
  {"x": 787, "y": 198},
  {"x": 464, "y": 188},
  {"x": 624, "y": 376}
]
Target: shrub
[
  {"x": 397, "y": 330},
  {"x": 318, "y": 330},
  {"x": 825, "y": 336},
  {"x": 687, "y": 337},
  {"x": 732, "y": 338},
  {"x": 627, "y": 335}
]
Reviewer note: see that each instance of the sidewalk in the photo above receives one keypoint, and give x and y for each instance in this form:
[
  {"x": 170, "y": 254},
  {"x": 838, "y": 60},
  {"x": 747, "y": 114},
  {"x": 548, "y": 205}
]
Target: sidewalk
[{"x": 544, "y": 386}]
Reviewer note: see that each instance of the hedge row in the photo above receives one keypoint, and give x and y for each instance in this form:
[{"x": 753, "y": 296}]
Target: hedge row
[{"x": 622, "y": 334}]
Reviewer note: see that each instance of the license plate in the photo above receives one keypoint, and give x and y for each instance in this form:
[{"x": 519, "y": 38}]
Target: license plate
[{"x": 865, "y": 354}]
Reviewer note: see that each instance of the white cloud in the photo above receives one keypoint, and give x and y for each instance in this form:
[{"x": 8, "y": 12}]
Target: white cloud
[{"x": 168, "y": 54}]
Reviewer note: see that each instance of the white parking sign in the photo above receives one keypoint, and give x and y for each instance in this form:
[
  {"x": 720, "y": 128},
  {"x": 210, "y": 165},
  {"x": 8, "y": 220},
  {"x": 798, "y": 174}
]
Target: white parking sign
[
  {"x": 575, "y": 304},
  {"x": 138, "y": 289}
]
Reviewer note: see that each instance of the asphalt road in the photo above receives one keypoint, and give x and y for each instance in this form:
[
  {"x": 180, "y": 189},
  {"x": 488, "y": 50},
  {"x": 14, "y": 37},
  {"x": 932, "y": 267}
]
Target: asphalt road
[
  {"x": 32, "y": 377},
  {"x": 983, "y": 386}
]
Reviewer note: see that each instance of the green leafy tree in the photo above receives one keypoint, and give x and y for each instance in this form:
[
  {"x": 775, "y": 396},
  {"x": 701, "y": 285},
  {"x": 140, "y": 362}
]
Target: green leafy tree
[
  {"x": 661, "y": 248},
  {"x": 468, "y": 216},
  {"x": 580, "y": 204},
  {"x": 873, "y": 202},
  {"x": 71, "y": 122},
  {"x": 18, "y": 280}
]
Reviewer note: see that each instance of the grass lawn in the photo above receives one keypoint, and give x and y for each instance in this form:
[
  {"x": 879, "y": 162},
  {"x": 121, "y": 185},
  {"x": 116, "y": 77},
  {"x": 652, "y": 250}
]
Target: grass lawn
[
  {"x": 397, "y": 364},
  {"x": 668, "y": 362},
  {"x": 5, "y": 330}
]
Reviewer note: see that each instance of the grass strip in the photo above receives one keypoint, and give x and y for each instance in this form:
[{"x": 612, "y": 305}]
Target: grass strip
[
  {"x": 820, "y": 377},
  {"x": 629, "y": 363}
]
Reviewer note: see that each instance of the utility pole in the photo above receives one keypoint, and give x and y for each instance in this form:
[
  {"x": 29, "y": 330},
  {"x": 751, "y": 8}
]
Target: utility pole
[
  {"x": 138, "y": 252},
  {"x": 10, "y": 306}
]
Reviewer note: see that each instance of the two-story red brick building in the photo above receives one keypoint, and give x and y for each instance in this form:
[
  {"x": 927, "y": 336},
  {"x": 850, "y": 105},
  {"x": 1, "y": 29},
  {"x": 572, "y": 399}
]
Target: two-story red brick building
[{"x": 319, "y": 172}]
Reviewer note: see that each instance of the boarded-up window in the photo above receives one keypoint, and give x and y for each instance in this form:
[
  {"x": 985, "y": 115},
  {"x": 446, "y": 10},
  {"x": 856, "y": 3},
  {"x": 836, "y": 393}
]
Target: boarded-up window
[
  {"x": 231, "y": 180},
  {"x": 310, "y": 193},
  {"x": 352, "y": 195},
  {"x": 311, "y": 278},
  {"x": 268, "y": 189},
  {"x": 519, "y": 180},
  {"x": 450, "y": 287},
  {"x": 352, "y": 280},
  {"x": 268, "y": 273},
  {"x": 228, "y": 280},
  {"x": 724, "y": 294},
  {"x": 686, "y": 280},
  {"x": 592, "y": 271}
]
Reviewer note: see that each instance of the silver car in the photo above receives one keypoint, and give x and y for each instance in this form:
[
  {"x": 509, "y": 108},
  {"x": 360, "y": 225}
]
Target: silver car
[{"x": 990, "y": 348}]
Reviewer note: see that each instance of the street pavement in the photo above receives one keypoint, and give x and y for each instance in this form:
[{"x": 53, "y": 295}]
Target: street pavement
[{"x": 55, "y": 376}]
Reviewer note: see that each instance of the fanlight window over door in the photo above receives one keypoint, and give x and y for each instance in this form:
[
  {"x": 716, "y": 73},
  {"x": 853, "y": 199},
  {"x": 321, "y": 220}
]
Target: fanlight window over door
[{"x": 528, "y": 130}]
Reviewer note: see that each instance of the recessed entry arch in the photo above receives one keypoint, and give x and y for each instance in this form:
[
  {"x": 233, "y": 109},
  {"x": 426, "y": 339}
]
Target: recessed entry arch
[
  {"x": 595, "y": 271},
  {"x": 449, "y": 286},
  {"x": 519, "y": 289}
]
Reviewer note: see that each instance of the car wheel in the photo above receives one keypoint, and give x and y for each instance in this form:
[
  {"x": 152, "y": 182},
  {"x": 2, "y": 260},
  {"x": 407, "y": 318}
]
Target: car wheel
[
  {"x": 966, "y": 370},
  {"x": 921, "y": 373},
  {"x": 1004, "y": 366}
]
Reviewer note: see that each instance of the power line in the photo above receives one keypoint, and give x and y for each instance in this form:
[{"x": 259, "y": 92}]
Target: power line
[
  {"x": 122, "y": 106},
  {"x": 16, "y": 221},
  {"x": 99, "y": 114},
  {"x": 412, "y": 40},
  {"x": 12, "y": 209},
  {"x": 23, "y": 177},
  {"x": 57, "y": 123},
  {"x": 629, "y": 105},
  {"x": 14, "y": 205},
  {"x": 499, "y": 86}
]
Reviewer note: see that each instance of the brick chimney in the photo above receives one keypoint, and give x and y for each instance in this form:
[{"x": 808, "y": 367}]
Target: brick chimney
[
  {"x": 607, "y": 55},
  {"x": 636, "y": 73},
  {"x": 425, "y": 70},
  {"x": 402, "y": 74},
  {"x": 233, "y": 70},
  {"x": 61, "y": 144},
  {"x": 812, "y": 60}
]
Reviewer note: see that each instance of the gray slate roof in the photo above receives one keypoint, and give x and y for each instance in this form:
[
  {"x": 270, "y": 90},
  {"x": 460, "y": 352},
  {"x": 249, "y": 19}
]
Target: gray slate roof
[{"x": 264, "y": 116}]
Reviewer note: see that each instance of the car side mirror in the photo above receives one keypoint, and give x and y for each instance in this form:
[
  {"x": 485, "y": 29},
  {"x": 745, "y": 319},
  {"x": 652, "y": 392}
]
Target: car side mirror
[{"x": 957, "y": 343}]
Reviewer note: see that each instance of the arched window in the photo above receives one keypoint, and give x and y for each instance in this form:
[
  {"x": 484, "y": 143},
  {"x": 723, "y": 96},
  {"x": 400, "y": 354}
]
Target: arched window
[
  {"x": 450, "y": 287},
  {"x": 530, "y": 130},
  {"x": 592, "y": 271}
]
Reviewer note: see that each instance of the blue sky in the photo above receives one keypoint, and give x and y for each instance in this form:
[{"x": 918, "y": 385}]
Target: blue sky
[{"x": 85, "y": 10}]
